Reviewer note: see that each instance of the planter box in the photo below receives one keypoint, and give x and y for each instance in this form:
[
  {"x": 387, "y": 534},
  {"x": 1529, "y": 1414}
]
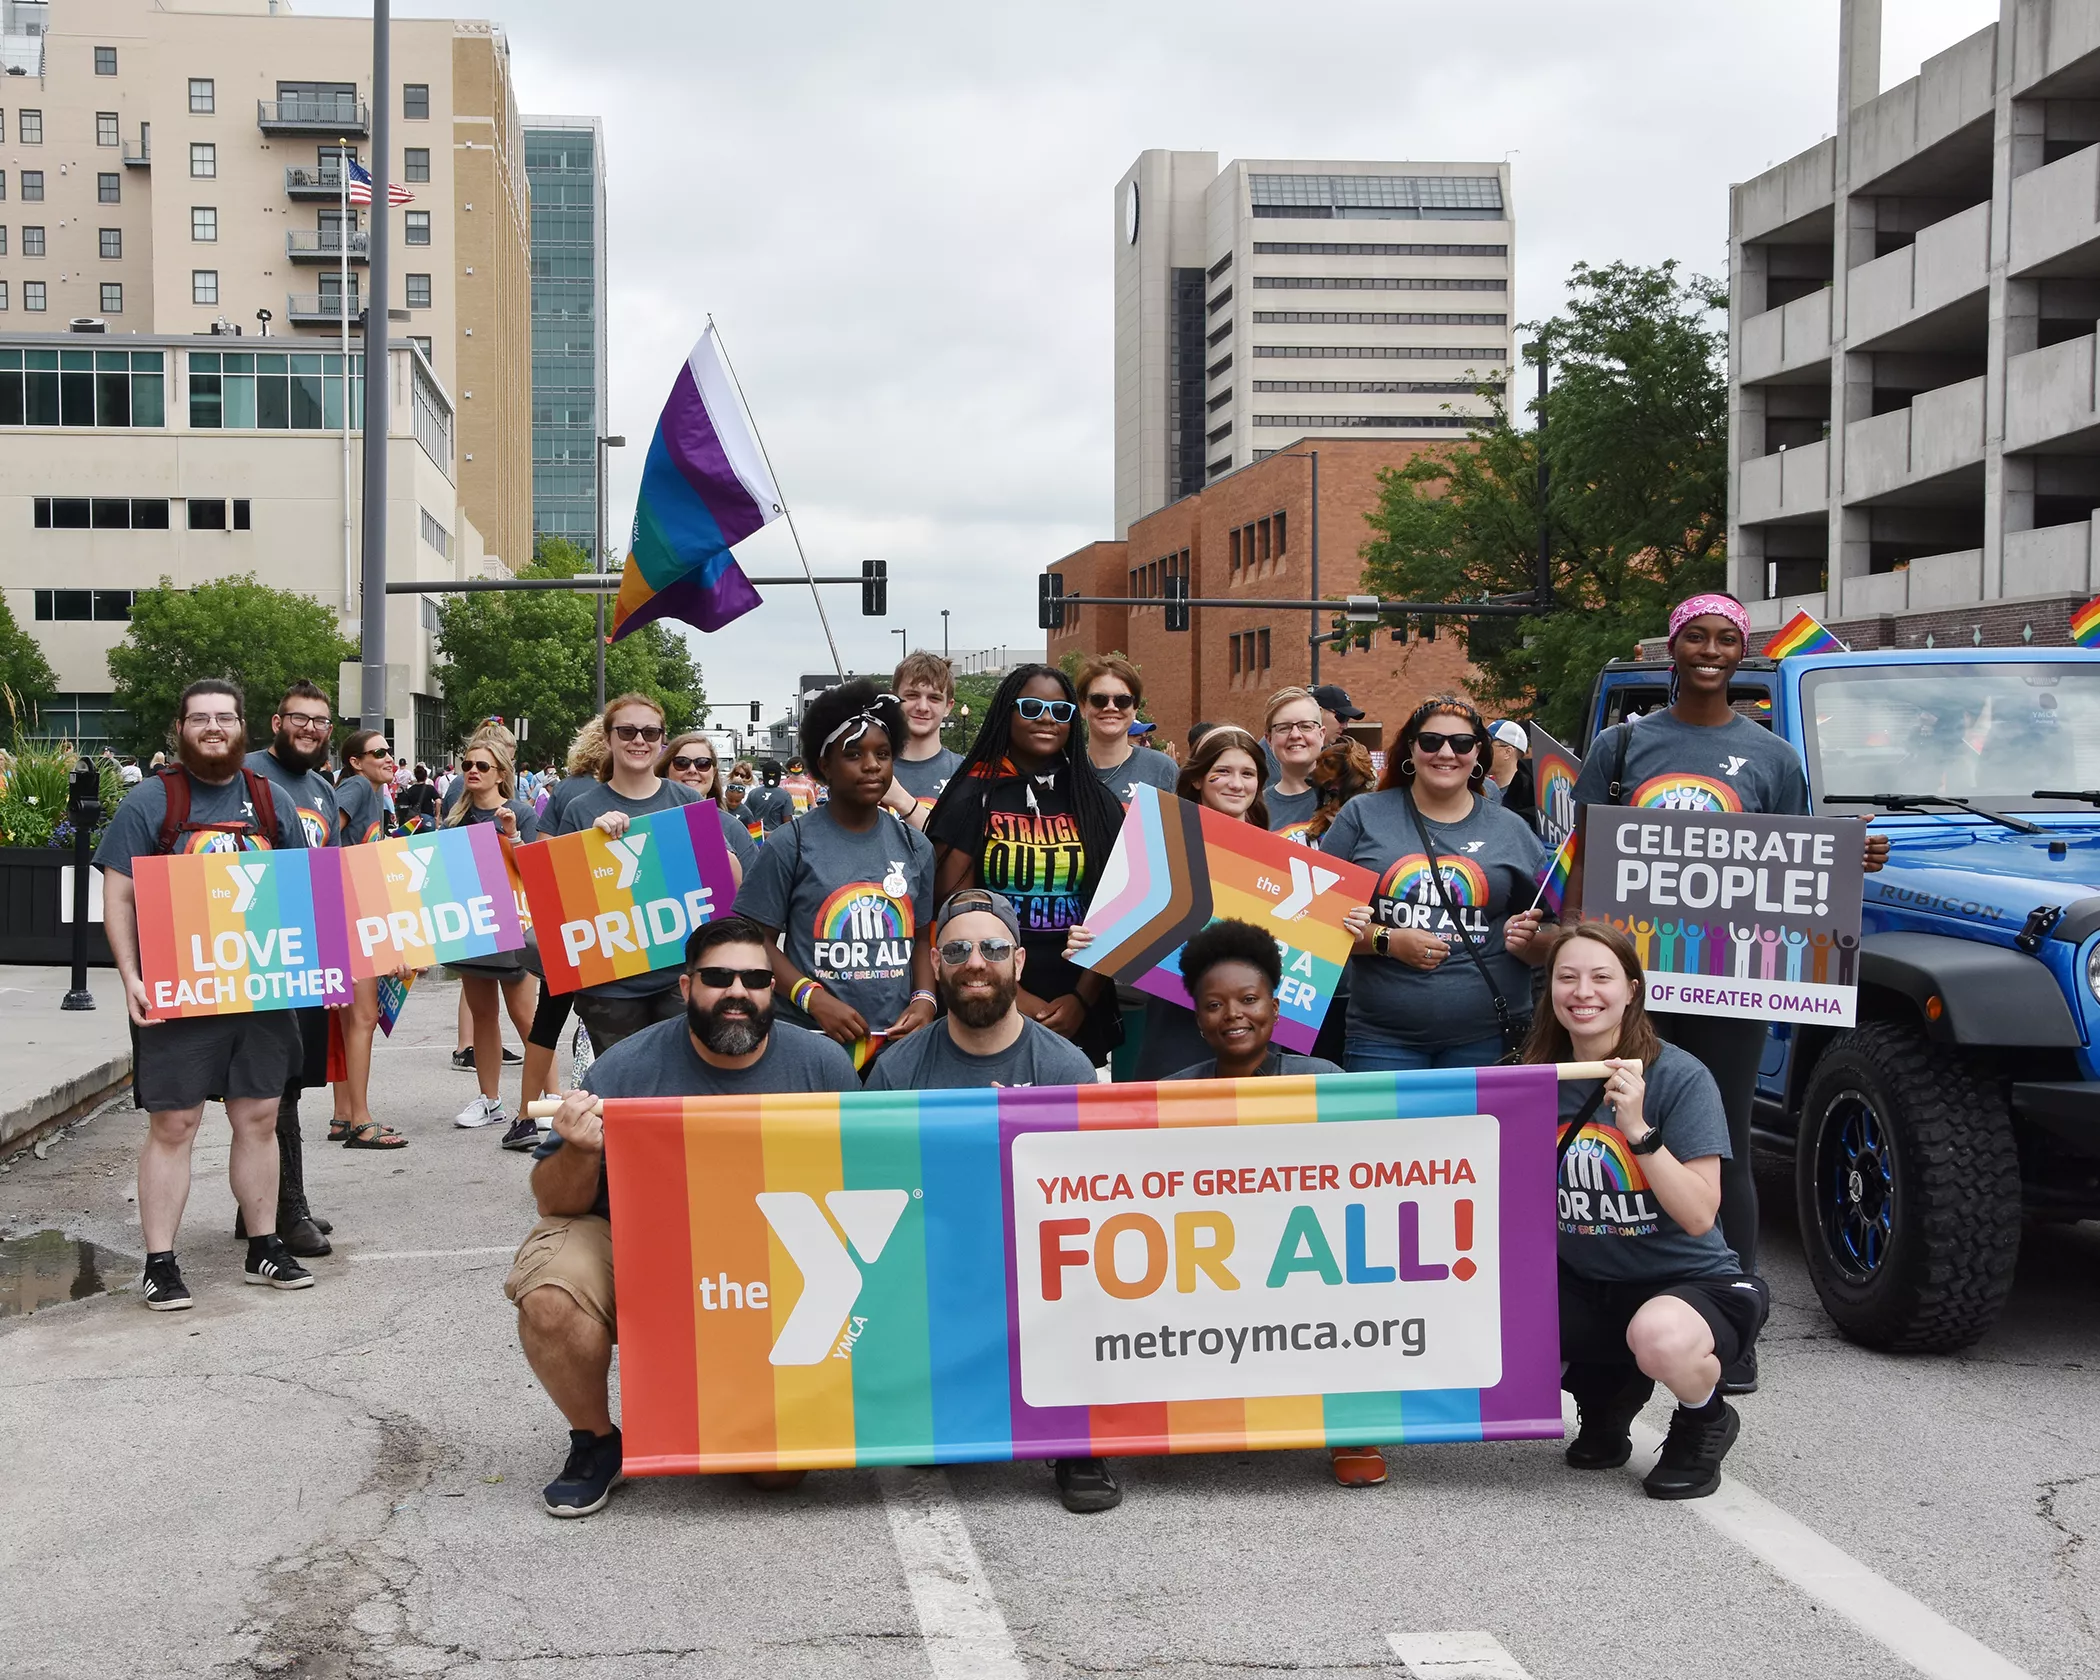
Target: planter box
[{"x": 33, "y": 928}]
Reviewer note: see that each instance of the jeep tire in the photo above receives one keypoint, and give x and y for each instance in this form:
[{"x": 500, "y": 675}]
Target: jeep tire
[{"x": 1907, "y": 1184}]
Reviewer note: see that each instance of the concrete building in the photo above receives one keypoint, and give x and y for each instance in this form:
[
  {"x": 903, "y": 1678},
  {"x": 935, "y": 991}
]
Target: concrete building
[
  {"x": 1273, "y": 299},
  {"x": 1915, "y": 439},
  {"x": 1252, "y": 533},
  {"x": 565, "y": 162},
  {"x": 128, "y": 459},
  {"x": 171, "y": 165}
]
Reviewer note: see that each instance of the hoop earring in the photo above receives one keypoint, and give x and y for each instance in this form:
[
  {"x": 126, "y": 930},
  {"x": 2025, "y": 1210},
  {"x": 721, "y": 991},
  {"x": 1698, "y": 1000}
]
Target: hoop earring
[
  {"x": 1477, "y": 777},
  {"x": 1407, "y": 766}
]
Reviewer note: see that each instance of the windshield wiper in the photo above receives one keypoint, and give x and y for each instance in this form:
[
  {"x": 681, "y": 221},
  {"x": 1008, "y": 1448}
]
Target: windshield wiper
[
  {"x": 1918, "y": 802},
  {"x": 2090, "y": 796}
]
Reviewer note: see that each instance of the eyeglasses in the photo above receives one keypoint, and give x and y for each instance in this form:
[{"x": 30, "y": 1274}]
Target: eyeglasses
[
  {"x": 1312, "y": 728},
  {"x": 957, "y": 951},
  {"x": 215, "y": 720},
  {"x": 1057, "y": 711},
  {"x": 679, "y": 761},
  {"x": 1433, "y": 741},
  {"x": 721, "y": 979},
  {"x": 477, "y": 767},
  {"x": 650, "y": 732},
  {"x": 1115, "y": 702},
  {"x": 306, "y": 720}
]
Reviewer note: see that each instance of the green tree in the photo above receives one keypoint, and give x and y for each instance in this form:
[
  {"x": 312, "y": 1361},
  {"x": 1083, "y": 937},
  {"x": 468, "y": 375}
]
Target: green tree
[
  {"x": 1636, "y": 442},
  {"x": 264, "y": 639},
  {"x": 529, "y": 653},
  {"x": 973, "y": 694},
  {"x": 26, "y": 676}
]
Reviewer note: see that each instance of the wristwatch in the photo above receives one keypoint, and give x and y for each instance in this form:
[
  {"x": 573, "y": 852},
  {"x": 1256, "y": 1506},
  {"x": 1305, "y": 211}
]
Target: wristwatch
[
  {"x": 1380, "y": 940},
  {"x": 1651, "y": 1141}
]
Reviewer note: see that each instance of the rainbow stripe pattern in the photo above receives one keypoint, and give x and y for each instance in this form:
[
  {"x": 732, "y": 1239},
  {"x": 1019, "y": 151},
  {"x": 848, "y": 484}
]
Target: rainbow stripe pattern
[
  {"x": 1553, "y": 773},
  {"x": 1553, "y": 884},
  {"x": 430, "y": 899},
  {"x": 1176, "y": 868},
  {"x": 927, "y": 1362},
  {"x": 1803, "y": 633},
  {"x": 2085, "y": 624},
  {"x": 1408, "y": 881},
  {"x": 229, "y": 933}
]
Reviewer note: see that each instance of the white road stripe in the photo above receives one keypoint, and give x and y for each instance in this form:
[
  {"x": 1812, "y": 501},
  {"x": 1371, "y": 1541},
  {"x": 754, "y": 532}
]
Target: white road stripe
[
  {"x": 966, "y": 1637},
  {"x": 433, "y": 1253},
  {"x": 1455, "y": 1656},
  {"x": 1879, "y": 1608}
]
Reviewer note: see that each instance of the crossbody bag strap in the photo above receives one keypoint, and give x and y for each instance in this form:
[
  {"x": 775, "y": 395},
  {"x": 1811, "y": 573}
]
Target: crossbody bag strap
[
  {"x": 1443, "y": 892},
  {"x": 1616, "y": 792},
  {"x": 1583, "y": 1116}
]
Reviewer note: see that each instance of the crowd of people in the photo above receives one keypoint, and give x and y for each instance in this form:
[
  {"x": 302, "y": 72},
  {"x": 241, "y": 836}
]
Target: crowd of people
[{"x": 908, "y": 917}]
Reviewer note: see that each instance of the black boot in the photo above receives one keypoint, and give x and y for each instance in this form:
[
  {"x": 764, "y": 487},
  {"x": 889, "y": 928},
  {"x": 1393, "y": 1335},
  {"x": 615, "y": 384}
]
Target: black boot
[
  {"x": 1605, "y": 1440},
  {"x": 295, "y": 1223}
]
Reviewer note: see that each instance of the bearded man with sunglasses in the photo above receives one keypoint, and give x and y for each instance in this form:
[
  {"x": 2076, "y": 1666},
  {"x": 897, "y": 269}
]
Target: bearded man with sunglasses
[{"x": 724, "y": 1043}]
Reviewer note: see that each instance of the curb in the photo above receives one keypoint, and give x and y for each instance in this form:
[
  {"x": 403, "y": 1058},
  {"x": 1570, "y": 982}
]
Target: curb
[{"x": 67, "y": 1101}]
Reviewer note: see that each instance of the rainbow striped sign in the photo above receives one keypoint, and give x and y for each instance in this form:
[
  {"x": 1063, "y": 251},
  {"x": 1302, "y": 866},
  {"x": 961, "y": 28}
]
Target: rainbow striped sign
[
  {"x": 812, "y": 1282},
  {"x": 228, "y": 933},
  {"x": 2085, "y": 624},
  {"x": 1176, "y": 868},
  {"x": 606, "y": 909},
  {"x": 1553, "y": 772},
  {"x": 434, "y": 898}
]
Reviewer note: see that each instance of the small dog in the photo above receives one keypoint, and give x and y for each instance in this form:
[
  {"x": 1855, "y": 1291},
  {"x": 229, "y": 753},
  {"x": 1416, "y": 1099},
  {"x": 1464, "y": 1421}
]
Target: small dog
[{"x": 1342, "y": 771}]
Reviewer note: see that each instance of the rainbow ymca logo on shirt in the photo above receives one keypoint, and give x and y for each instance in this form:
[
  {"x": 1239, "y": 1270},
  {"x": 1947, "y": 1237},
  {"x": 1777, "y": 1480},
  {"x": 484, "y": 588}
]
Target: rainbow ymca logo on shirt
[
  {"x": 1678, "y": 791},
  {"x": 1408, "y": 896},
  {"x": 866, "y": 927}
]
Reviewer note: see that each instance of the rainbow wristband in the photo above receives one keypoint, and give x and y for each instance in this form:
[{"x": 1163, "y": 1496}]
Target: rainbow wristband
[
  {"x": 800, "y": 993},
  {"x": 926, "y": 997}
]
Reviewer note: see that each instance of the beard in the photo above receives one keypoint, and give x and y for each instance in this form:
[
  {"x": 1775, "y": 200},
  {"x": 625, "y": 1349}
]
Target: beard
[
  {"x": 292, "y": 757},
  {"x": 978, "y": 1010},
  {"x": 213, "y": 764},
  {"x": 730, "y": 1028}
]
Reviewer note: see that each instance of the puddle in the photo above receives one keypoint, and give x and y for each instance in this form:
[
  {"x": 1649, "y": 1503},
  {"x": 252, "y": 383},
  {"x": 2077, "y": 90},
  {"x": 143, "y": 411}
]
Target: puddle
[{"x": 49, "y": 1268}]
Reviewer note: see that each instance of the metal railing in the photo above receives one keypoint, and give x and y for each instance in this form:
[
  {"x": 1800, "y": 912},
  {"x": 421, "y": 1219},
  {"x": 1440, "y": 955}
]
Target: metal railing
[
  {"x": 322, "y": 309},
  {"x": 325, "y": 244},
  {"x": 303, "y": 182},
  {"x": 343, "y": 115},
  {"x": 142, "y": 158}
]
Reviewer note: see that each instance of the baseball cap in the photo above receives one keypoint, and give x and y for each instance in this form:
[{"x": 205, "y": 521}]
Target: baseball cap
[
  {"x": 976, "y": 901},
  {"x": 1141, "y": 728},
  {"x": 1511, "y": 734},
  {"x": 1334, "y": 698}
]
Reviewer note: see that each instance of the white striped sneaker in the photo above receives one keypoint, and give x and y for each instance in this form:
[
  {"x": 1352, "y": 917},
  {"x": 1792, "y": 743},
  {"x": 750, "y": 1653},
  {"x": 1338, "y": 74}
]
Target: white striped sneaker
[{"x": 482, "y": 1111}]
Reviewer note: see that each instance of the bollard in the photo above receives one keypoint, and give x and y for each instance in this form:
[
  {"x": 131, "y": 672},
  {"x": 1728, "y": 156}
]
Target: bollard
[{"x": 84, "y": 807}]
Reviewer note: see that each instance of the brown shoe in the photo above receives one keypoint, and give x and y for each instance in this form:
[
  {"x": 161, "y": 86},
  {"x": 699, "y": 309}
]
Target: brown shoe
[
  {"x": 1356, "y": 1467},
  {"x": 775, "y": 1481}
]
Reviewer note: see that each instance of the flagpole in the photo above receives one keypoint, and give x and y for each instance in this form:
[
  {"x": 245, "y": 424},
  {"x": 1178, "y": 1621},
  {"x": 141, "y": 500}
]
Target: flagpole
[
  {"x": 787, "y": 512},
  {"x": 342, "y": 233}
]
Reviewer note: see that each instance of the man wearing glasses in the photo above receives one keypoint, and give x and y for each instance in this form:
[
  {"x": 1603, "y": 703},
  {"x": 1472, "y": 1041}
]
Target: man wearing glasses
[
  {"x": 1295, "y": 732},
  {"x": 724, "y": 1043},
  {"x": 1110, "y": 692}
]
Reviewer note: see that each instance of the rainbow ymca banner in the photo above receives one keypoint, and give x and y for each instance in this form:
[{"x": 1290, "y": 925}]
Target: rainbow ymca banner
[
  {"x": 812, "y": 1282},
  {"x": 227, "y": 933},
  {"x": 427, "y": 899},
  {"x": 1176, "y": 868},
  {"x": 606, "y": 909}
]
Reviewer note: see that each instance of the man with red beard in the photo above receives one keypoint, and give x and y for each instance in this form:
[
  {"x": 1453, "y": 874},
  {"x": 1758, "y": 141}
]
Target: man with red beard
[{"x": 208, "y": 802}]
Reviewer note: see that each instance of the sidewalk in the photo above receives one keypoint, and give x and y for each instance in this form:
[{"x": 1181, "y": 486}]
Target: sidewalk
[{"x": 55, "y": 1064}]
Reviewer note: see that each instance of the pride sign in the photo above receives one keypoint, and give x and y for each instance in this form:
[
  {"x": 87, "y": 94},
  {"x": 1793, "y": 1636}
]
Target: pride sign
[
  {"x": 427, "y": 899},
  {"x": 605, "y": 909},
  {"x": 912, "y": 1277},
  {"x": 229, "y": 932},
  {"x": 1177, "y": 867}
]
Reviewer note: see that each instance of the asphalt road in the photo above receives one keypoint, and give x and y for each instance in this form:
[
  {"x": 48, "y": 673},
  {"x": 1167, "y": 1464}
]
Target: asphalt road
[{"x": 345, "y": 1482}]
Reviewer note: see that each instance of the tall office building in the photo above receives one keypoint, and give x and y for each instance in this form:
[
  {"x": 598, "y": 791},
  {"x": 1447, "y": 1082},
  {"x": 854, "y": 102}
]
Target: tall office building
[
  {"x": 565, "y": 162},
  {"x": 1270, "y": 300}
]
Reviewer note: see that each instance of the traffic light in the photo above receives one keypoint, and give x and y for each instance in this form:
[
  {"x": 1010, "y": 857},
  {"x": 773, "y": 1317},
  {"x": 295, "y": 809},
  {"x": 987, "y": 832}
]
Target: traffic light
[
  {"x": 754, "y": 710},
  {"x": 1050, "y": 602},
  {"x": 1177, "y": 603},
  {"x": 874, "y": 588},
  {"x": 1338, "y": 637},
  {"x": 1425, "y": 627}
]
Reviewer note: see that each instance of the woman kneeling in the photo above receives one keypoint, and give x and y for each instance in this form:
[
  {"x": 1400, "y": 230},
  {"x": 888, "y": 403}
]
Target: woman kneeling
[{"x": 1649, "y": 1290}]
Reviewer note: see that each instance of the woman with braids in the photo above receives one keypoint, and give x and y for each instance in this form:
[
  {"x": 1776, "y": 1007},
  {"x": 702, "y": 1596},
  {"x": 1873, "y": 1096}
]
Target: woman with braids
[{"x": 1026, "y": 816}]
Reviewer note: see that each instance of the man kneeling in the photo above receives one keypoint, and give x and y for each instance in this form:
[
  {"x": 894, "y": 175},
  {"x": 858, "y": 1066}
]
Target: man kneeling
[{"x": 562, "y": 1279}]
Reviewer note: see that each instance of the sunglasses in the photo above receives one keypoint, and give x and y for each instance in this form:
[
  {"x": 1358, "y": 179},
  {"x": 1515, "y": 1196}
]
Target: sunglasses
[
  {"x": 650, "y": 732},
  {"x": 477, "y": 767},
  {"x": 1057, "y": 711},
  {"x": 1434, "y": 741},
  {"x": 1112, "y": 702},
  {"x": 680, "y": 762},
  {"x": 957, "y": 951},
  {"x": 721, "y": 979}
]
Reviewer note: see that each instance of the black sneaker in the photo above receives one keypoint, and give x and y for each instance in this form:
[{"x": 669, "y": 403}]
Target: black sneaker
[
  {"x": 1690, "y": 1465},
  {"x": 273, "y": 1265},
  {"x": 510, "y": 1057},
  {"x": 1741, "y": 1377},
  {"x": 163, "y": 1288},
  {"x": 464, "y": 1059},
  {"x": 523, "y": 1134},
  {"x": 1605, "y": 1440},
  {"x": 1085, "y": 1485},
  {"x": 588, "y": 1477}
]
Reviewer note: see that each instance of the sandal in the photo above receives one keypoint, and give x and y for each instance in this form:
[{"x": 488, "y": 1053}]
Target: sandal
[
  {"x": 338, "y": 1130},
  {"x": 372, "y": 1135}
]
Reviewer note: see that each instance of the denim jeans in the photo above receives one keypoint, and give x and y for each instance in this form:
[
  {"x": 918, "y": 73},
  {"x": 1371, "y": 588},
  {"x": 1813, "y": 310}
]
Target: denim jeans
[{"x": 1372, "y": 1055}]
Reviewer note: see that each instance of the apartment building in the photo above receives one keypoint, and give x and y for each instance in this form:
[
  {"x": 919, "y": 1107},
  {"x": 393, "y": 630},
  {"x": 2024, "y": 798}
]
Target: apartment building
[
  {"x": 1272, "y": 299},
  {"x": 565, "y": 162},
  {"x": 1915, "y": 435},
  {"x": 171, "y": 167}
]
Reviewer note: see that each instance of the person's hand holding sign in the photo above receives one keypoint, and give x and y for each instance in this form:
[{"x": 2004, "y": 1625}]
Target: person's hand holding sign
[
  {"x": 612, "y": 824},
  {"x": 1625, "y": 1090},
  {"x": 580, "y": 1121},
  {"x": 1877, "y": 851}
]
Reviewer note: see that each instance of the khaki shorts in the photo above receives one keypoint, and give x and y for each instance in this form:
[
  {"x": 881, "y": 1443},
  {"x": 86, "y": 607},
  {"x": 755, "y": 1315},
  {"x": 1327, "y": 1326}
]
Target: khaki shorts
[{"x": 572, "y": 1253}]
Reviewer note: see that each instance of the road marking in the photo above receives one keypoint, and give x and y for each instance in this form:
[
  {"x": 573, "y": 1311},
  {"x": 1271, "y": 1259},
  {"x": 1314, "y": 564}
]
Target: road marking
[
  {"x": 433, "y": 1253},
  {"x": 966, "y": 1637},
  {"x": 1455, "y": 1656},
  {"x": 1879, "y": 1608}
]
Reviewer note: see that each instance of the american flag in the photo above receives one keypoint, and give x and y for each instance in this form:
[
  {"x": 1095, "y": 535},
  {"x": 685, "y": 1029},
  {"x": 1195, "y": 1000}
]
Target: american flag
[{"x": 361, "y": 186}]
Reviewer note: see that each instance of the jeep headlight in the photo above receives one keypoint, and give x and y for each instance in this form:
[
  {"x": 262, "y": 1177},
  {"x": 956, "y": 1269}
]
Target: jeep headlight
[{"x": 2092, "y": 971}]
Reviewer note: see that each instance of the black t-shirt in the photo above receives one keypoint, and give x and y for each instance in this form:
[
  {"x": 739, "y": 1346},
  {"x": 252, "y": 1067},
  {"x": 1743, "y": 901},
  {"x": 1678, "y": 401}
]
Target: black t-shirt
[{"x": 1022, "y": 837}]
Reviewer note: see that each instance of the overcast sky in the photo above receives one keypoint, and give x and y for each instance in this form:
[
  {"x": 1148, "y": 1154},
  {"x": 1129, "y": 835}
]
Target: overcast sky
[{"x": 901, "y": 217}]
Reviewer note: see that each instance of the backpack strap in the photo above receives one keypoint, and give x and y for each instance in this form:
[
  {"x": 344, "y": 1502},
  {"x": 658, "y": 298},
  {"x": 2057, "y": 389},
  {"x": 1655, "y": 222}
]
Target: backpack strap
[
  {"x": 175, "y": 783},
  {"x": 1616, "y": 792},
  {"x": 264, "y": 799}
]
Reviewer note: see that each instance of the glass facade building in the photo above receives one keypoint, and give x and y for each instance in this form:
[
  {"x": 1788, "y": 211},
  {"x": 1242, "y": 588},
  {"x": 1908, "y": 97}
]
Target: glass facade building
[{"x": 565, "y": 163}]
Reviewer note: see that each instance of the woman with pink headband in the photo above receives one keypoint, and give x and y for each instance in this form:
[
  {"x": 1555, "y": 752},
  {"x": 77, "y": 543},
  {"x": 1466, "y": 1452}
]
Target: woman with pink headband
[{"x": 1700, "y": 754}]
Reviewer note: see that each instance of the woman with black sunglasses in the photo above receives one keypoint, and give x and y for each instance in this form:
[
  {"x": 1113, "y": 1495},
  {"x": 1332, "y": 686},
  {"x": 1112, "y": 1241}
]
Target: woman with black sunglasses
[
  {"x": 1026, "y": 816},
  {"x": 691, "y": 761},
  {"x": 1110, "y": 692}
]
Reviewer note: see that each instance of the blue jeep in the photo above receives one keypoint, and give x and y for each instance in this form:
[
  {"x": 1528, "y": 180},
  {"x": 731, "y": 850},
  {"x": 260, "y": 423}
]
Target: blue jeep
[{"x": 1969, "y": 1093}]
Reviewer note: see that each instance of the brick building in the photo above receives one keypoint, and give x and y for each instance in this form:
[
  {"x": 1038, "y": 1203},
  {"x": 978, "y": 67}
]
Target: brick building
[{"x": 1250, "y": 533}]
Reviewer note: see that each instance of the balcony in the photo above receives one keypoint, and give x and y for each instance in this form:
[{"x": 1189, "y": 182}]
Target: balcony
[
  {"x": 1934, "y": 581},
  {"x": 2056, "y": 219},
  {"x": 2052, "y": 560},
  {"x": 1792, "y": 484},
  {"x": 1929, "y": 453},
  {"x": 304, "y": 182},
  {"x": 2050, "y": 403},
  {"x": 1791, "y": 339},
  {"x": 337, "y": 118},
  {"x": 325, "y": 245},
  {"x": 1930, "y": 295},
  {"x": 307, "y": 309},
  {"x": 139, "y": 159}
]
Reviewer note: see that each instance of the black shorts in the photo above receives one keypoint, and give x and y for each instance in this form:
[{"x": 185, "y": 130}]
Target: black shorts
[
  {"x": 610, "y": 1019},
  {"x": 182, "y": 1064},
  {"x": 549, "y": 1016},
  {"x": 1594, "y": 1316}
]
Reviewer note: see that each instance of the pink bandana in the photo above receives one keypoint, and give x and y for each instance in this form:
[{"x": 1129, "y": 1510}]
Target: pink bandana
[{"x": 1699, "y": 605}]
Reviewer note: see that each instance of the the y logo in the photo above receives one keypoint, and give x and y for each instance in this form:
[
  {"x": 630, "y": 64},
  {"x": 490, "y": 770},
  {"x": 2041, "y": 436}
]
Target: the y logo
[
  {"x": 830, "y": 1280},
  {"x": 246, "y": 878},
  {"x": 418, "y": 866},
  {"x": 1308, "y": 881},
  {"x": 1732, "y": 766},
  {"x": 629, "y": 851}
]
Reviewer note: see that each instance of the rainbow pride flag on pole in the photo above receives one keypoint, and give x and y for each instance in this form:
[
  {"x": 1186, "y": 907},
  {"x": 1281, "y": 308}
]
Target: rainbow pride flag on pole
[
  {"x": 1553, "y": 884},
  {"x": 705, "y": 488},
  {"x": 2085, "y": 624},
  {"x": 1803, "y": 634}
]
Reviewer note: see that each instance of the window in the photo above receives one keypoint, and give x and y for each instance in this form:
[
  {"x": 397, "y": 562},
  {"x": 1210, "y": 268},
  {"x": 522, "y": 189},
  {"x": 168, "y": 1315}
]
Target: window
[
  {"x": 29, "y": 127},
  {"x": 204, "y": 223},
  {"x": 1277, "y": 519},
  {"x": 101, "y": 513},
  {"x": 1386, "y": 352},
  {"x": 1261, "y": 647},
  {"x": 3, "y": 294},
  {"x": 435, "y": 534},
  {"x": 1261, "y": 538},
  {"x": 1353, "y": 422},
  {"x": 1220, "y": 301},
  {"x": 105, "y": 61},
  {"x": 1219, "y": 267},
  {"x": 110, "y": 242},
  {"x": 1217, "y": 338},
  {"x": 105, "y": 128},
  {"x": 418, "y": 227},
  {"x": 204, "y": 285},
  {"x": 240, "y": 513},
  {"x": 112, "y": 299},
  {"x": 107, "y": 388},
  {"x": 415, "y": 164},
  {"x": 419, "y": 291},
  {"x": 1223, "y": 464},
  {"x": 1299, "y": 248},
  {"x": 204, "y": 161},
  {"x": 3, "y": 186},
  {"x": 109, "y": 189},
  {"x": 415, "y": 101},
  {"x": 3, "y": 239},
  {"x": 80, "y": 605},
  {"x": 272, "y": 391},
  {"x": 422, "y": 344},
  {"x": 1373, "y": 283},
  {"x": 207, "y": 513},
  {"x": 1222, "y": 365},
  {"x": 1220, "y": 434},
  {"x": 203, "y": 96},
  {"x": 1232, "y": 549},
  {"x": 32, "y": 186},
  {"x": 32, "y": 242},
  {"x": 1372, "y": 318}
]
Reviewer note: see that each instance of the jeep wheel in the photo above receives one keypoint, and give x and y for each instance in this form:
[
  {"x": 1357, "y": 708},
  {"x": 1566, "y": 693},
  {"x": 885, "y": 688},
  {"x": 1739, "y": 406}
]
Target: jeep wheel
[{"x": 1908, "y": 1188}]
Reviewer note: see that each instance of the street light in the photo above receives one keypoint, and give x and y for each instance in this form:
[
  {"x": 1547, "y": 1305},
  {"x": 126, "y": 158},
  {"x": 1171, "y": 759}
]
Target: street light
[
  {"x": 598, "y": 555},
  {"x": 903, "y": 643},
  {"x": 944, "y": 632}
]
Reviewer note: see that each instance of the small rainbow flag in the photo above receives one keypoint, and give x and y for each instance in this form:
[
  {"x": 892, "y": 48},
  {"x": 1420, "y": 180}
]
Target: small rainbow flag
[
  {"x": 2085, "y": 624},
  {"x": 1803, "y": 633},
  {"x": 1553, "y": 884}
]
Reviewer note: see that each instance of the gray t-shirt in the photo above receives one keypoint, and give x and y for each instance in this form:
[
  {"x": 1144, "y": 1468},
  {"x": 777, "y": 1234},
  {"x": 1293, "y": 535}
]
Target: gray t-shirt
[
  {"x": 924, "y": 778},
  {"x": 1491, "y": 864},
  {"x": 738, "y": 838},
  {"x": 1677, "y": 766},
  {"x": 1612, "y": 1227},
  {"x": 580, "y": 812},
  {"x": 851, "y": 906},
  {"x": 1142, "y": 767},
  {"x": 558, "y": 798},
  {"x": 135, "y": 830},
  {"x": 931, "y": 1060},
  {"x": 308, "y": 792},
  {"x": 1290, "y": 812},
  {"x": 360, "y": 811},
  {"x": 528, "y": 823},
  {"x": 769, "y": 807},
  {"x": 1279, "y": 1062},
  {"x": 660, "y": 1061}
]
